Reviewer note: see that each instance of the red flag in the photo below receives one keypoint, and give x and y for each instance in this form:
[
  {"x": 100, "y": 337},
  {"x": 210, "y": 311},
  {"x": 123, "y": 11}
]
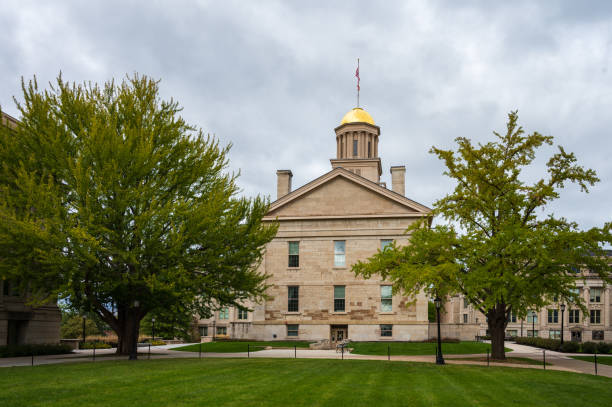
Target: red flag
[{"x": 357, "y": 75}]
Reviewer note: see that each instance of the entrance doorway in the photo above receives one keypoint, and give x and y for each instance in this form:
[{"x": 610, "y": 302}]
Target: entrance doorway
[
  {"x": 576, "y": 336},
  {"x": 339, "y": 333}
]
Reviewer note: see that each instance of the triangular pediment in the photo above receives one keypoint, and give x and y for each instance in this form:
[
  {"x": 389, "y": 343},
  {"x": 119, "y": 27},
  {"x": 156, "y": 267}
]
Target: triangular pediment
[{"x": 340, "y": 193}]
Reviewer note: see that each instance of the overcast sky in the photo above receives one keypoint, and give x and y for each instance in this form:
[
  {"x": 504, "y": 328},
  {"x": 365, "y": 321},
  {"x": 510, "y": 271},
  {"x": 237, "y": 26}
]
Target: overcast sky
[{"x": 274, "y": 78}]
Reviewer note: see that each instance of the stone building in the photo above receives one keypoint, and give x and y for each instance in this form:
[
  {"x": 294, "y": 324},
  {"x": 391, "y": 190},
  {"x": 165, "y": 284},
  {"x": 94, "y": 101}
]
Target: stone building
[
  {"x": 326, "y": 226},
  {"x": 595, "y": 326},
  {"x": 19, "y": 322}
]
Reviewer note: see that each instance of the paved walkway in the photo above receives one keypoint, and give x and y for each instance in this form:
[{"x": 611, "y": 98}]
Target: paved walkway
[{"x": 559, "y": 361}]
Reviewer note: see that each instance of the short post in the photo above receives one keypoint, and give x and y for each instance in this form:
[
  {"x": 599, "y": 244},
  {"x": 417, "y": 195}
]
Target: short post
[
  {"x": 544, "y": 358},
  {"x": 488, "y": 364},
  {"x": 342, "y": 352},
  {"x": 200, "y": 351},
  {"x": 94, "y": 351},
  {"x": 295, "y": 351},
  {"x": 388, "y": 352},
  {"x": 248, "y": 350},
  {"x": 595, "y": 357},
  {"x": 32, "y": 358},
  {"x": 149, "y": 350}
]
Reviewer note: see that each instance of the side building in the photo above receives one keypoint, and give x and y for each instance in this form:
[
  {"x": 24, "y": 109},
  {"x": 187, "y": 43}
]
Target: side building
[
  {"x": 19, "y": 322},
  {"x": 594, "y": 326},
  {"x": 326, "y": 226}
]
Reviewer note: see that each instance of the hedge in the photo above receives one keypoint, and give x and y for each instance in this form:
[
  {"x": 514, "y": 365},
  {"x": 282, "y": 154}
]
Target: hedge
[
  {"x": 568, "y": 347},
  {"x": 12, "y": 351}
]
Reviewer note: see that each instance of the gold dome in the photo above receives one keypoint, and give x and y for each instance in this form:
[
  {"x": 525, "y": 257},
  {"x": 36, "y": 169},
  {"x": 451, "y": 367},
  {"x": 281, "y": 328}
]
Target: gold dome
[{"x": 357, "y": 115}]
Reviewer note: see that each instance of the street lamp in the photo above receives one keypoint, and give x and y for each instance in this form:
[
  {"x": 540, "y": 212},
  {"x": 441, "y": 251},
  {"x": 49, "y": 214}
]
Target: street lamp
[
  {"x": 439, "y": 358},
  {"x": 84, "y": 319},
  {"x": 562, "y": 312},
  {"x": 153, "y": 321}
]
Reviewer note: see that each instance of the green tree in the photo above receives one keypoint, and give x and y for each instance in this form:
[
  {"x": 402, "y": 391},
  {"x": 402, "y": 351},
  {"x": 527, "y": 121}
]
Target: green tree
[
  {"x": 109, "y": 199},
  {"x": 495, "y": 249}
]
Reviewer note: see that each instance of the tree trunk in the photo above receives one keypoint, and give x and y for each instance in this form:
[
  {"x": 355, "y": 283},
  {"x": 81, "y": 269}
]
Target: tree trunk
[
  {"x": 128, "y": 322},
  {"x": 497, "y": 329}
]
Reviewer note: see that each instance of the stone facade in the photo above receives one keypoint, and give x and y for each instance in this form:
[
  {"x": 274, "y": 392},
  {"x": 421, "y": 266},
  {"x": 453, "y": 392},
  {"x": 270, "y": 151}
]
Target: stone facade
[
  {"x": 21, "y": 323},
  {"x": 326, "y": 226},
  {"x": 547, "y": 323}
]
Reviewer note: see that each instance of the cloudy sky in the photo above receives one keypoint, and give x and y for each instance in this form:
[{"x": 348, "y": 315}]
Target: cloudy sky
[{"x": 274, "y": 78}]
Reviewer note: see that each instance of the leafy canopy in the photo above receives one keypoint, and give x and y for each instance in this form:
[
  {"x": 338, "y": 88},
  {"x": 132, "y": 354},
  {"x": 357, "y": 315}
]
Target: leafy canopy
[
  {"x": 495, "y": 249},
  {"x": 108, "y": 198}
]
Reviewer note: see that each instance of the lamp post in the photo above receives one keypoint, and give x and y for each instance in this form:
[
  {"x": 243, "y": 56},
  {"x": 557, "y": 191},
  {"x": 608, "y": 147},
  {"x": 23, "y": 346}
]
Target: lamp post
[
  {"x": 562, "y": 312},
  {"x": 533, "y": 317},
  {"x": 439, "y": 358},
  {"x": 84, "y": 319},
  {"x": 153, "y": 330}
]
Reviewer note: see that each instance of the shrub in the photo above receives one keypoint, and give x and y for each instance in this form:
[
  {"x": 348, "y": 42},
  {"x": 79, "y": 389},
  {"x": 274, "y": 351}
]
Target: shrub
[
  {"x": 545, "y": 343},
  {"x": 157, "y": 342},
  {"x": 589, "y": 347},
  {"x": 98, "y": 345},
  {"x": 603, "y": 347},
  {"x": 570, "y": 347},
  {"x": 37, "y": 350}
]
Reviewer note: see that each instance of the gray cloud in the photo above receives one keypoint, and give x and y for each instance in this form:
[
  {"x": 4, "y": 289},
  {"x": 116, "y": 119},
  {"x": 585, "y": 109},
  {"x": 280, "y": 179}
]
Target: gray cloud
[{"x": 274, "y": 78}]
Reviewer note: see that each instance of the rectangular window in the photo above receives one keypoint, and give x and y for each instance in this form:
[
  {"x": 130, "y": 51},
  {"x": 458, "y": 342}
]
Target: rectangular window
[
  {"x": 293, "y": 298},
  {"x": 512, "y": 317},
  {"x": 598, "y": 335},
  {"x": 554, "y": 334},
  {"x": 224, "y": 313},
  {"x": 355, "y": 145},
  {"x": 465, "y": 302},
  {"x": 292, "y": 330},
  {"x": 595, "y": 294},
  {"x": 294, "y": 254},
  {"x": 386, "y": 298},
  {"x": 243, "y": 314},
  {"x": 574, "y": 316},
  {"x": 532, "y": 317},
  {"x": 386, "y": 330},
  {"x": 339, "y": 253},
  {"x": 465, "y": 318},
  {"x": 384, "y": 243},
  {"x": 595, "y": 316},
  {"x": 221, "y": 330},
  {"x": 204, "y": 331},
  {"x": 369, "y": 149},
  {"x": 532, "y": 334},
  {"x": 511, "y": 333},
  {"x": 339, "y": 291},
  {"x": 553, "y": 316}
]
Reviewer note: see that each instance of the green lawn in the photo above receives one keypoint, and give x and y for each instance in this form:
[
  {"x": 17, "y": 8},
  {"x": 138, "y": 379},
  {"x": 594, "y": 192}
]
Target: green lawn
[
  {"x": 419, "y": 348},
  {"x": 518, "y": 361},
  {"x": 290, "y": 382},
  {"x": 604, "y": 360},
  {"x": 235, "y": 346}
]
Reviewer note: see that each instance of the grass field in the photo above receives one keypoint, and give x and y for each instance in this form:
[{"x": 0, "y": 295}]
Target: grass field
[
  {"x": 604, "y": 360},
  {"x": 301, "y": 382},
  {"x": 235, "y": 346},
  {"x": 418, "y": 348},
  {"x": 518, "y": 361}
]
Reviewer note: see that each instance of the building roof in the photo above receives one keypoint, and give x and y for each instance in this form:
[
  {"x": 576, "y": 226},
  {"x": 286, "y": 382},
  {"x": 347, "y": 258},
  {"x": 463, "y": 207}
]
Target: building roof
[{"x": 357, "y": 115}]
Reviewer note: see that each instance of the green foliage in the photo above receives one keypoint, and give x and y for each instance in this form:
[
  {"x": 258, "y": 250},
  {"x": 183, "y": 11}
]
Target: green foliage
[
  {"x": 418, "y": 348},
  {"x": 570, "y": 347},
  {"x": 96, "y": 345},
  {"x": 72, "y": 327},
  {"x": 169, "y": 323},
  {"x": 241, "y": 346},
  {"x": 496, "y": 249},
  {"x": 111, "y": 200},
  {"x": 545, "y": 343},
  {"x": 431, "y": 311},
  {"x": 589, "y": 347},
  {"x": 13, "y": 351},
  {"x": 604, "y": 347}
]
